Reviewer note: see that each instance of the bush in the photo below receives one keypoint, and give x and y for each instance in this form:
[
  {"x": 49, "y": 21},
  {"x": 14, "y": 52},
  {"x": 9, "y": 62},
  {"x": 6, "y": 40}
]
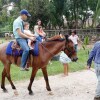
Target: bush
[{"x": 86, "y": 40}]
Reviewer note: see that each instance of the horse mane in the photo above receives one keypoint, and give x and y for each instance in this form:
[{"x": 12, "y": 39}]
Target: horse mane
[{"x": 55, "y": 38}]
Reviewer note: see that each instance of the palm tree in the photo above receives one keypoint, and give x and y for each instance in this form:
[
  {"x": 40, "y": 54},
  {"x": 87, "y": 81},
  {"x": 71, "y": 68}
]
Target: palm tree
[{"x": 97, "y": 12}]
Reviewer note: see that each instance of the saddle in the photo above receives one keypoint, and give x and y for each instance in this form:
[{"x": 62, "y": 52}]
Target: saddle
[
  {"x": 15, "y": 50},
  {"x": 16, "y": 46}
]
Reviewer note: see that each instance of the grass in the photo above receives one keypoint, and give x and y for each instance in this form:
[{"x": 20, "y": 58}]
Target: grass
[{"x": 53, "y": 69}]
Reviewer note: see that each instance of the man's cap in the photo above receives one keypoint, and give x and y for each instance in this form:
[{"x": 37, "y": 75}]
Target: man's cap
[{"x": 25, "y": 12}]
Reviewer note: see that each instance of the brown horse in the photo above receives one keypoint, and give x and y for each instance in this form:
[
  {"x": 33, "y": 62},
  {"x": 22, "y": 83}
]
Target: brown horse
[{"x": 47, "y": 50}]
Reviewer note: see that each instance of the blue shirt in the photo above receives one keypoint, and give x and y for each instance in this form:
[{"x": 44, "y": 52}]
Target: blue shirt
[
  {"x": 18, "y": 23},
  {"x": 94, "y": 54}
]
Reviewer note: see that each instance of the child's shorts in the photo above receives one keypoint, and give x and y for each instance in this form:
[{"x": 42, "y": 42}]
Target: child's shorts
[{"x": 64, "y": 58}]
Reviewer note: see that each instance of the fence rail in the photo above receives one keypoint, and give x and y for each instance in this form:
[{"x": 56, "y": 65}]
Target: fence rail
[
  {"x": 81, "y": 32},
  {"x": 93, "y": 34}
]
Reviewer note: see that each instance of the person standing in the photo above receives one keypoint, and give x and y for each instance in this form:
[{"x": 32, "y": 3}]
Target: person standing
[
  {"x": 64, "y": 59},
  {"x": 74, "y": 37},
  {"x": 95, "y": 56},
  {"x": 21, "y": 38}
]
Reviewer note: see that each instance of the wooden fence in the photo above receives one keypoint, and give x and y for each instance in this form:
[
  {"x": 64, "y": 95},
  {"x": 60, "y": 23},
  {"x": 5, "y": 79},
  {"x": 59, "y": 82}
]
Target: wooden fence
[
  {"x": 93, "y": 32},
  {"x": 82, "y": 33}
]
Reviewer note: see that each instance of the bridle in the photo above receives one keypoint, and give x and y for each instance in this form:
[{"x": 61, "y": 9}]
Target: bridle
[
  {"x": 68, "y": 49},
  {"x": 63, "y": 49}
]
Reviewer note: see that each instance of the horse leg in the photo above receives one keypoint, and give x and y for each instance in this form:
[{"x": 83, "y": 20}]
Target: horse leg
[
  {"x": 44, "y": 71},
  {"x": 34, "y": 71},
  {"x": 7, "y": 68},
  {"x": 3, "y": 80}
]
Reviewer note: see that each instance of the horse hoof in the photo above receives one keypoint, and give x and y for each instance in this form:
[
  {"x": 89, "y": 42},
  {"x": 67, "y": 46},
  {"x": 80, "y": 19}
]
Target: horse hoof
[
  {"x": 51, "y": 93},
  {"x": 5, "y": 91},
  {"x": 31, "y": 93},
  {"x": 48, "y": 88},
  {"x": 14, "y": 87}
]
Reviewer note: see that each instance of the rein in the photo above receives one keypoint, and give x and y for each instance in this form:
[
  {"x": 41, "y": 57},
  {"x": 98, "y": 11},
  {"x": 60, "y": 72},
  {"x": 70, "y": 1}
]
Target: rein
[
  {"x": 50, "y": 52},
  {"x": 46, "y": 49},
  {"x": 62, "y": 49},
  {"x": 51, "y": 41}
]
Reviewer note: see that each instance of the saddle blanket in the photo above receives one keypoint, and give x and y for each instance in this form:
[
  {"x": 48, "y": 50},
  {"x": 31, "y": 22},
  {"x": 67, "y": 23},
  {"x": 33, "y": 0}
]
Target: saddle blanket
[{"x": 10, "y": 51}]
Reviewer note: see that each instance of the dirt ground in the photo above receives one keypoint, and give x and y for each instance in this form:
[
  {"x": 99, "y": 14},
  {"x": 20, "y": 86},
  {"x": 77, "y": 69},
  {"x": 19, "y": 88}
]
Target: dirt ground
[{"x": 76, "y": 86}]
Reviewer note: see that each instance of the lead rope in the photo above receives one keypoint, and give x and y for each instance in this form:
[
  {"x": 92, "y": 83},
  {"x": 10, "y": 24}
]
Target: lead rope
[
  {"x": 65, "y": 58},
  {"x": 50, "y": 52},
  {"x": 85, "y": 65}
]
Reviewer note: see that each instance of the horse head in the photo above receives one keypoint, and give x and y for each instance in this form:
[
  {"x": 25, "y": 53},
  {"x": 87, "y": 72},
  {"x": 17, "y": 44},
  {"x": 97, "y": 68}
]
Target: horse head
[
  {"x": 68, "y": 45},
  {"x": 69, "y": 49}
]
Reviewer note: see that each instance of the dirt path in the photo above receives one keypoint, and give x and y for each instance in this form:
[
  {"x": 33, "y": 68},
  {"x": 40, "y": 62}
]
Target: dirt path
[{"x": 77, "y": 86}]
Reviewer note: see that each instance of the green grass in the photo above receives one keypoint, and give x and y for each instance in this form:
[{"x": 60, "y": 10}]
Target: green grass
[{"x": 53, "y": 69}]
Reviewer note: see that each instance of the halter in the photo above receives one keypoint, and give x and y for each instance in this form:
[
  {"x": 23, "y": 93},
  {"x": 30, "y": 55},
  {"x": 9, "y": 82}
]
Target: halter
[{"x": 70, "y": 52}]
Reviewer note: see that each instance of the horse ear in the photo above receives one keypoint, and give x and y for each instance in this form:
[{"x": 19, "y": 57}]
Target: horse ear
[
  {"x": 61, "y": 35},
  {"x": 66, "y": 37}
]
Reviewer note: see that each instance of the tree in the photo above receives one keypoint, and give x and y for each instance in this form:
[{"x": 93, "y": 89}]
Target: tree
[
  {"x": 97, "y": 12},
  {"x": 55, "y": 9},
  {"x": 51, "y": 12}
]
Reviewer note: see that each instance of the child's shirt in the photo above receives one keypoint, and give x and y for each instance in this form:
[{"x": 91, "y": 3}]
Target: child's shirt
[{"x": 74, "y": 38}]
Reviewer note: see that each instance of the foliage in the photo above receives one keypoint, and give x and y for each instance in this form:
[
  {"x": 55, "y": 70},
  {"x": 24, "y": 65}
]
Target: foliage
[
  {"x": 97, "y": 12},
  {"x": 51, "y": 12},
  {"x": 86, "y": 40}
]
